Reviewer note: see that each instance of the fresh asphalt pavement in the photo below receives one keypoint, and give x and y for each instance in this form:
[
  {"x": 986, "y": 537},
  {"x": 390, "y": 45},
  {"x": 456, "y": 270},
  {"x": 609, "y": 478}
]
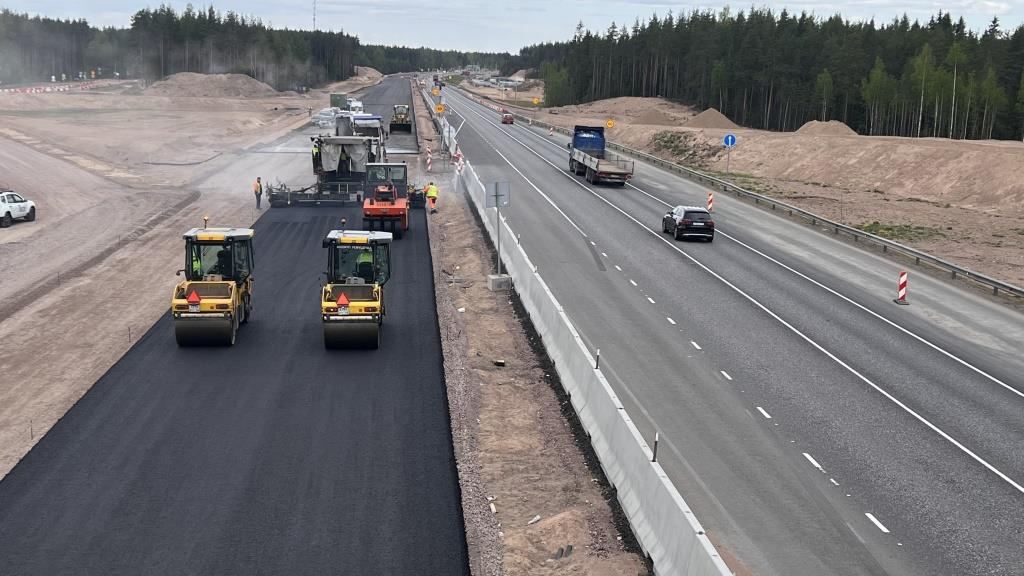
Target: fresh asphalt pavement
[
  {"x": 274, "y": 456},
  {"x": 794, "y": 398},
  {"x": 380, "y": 99}
]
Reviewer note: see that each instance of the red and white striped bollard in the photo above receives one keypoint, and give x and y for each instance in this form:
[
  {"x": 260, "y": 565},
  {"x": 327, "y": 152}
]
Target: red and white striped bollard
[
  {"x": 711, "y": 201},
  {"x": 901, "y": 290}
]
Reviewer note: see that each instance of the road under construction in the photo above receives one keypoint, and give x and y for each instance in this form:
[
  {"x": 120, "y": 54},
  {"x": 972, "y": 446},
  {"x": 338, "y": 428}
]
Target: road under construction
[{"x": 272, "y": 456}]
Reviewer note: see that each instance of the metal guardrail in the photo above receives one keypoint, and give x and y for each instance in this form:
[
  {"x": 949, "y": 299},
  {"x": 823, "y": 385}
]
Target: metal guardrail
[{"x": 887, "y": 245}]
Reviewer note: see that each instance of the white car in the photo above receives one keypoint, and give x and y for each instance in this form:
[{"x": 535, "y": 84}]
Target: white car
[{"x": 14, "y": 206}]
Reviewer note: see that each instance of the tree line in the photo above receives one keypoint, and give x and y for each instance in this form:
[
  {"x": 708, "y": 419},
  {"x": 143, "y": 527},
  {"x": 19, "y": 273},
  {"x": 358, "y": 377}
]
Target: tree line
[
  {"x": 778, "y": 71},
  {"x": 162, "y": 41}
]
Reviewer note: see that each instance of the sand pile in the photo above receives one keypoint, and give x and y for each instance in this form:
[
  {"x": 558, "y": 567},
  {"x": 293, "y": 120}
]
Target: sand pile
[
  {"x": 830, "y": 128},
  {"x": 711, "y": 118},
  {"x": 192, "y": 85},
  {"x": 657, "y": 118}
]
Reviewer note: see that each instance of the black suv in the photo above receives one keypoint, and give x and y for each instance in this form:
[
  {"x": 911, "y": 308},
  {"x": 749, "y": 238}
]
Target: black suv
[{"x": 689, "y": 222}]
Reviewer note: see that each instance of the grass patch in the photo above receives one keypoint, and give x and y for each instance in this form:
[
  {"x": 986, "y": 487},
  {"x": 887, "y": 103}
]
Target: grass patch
[{"x": 900, "y": 231}]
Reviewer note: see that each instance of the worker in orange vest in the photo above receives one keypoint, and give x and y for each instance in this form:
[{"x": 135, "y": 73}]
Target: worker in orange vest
[{"x": 257, "y": 189}]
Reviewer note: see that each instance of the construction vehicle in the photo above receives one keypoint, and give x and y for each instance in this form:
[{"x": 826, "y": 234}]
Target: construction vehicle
[
  {"x": 383, "y": 205},
  {"x": 400, "y": 120},
  {"x": 216, "y": 295},
  {"x": 339, "y": 100},
  {"x": 588, "y": 156},
  {"x": 352, "y": 301},
  {"x": 340, "y": 169}
]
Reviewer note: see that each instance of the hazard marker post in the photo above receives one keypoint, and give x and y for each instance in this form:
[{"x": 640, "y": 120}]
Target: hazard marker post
[
  {"x": 901, "y": 290},
  {"x": 711, "y": 201}
]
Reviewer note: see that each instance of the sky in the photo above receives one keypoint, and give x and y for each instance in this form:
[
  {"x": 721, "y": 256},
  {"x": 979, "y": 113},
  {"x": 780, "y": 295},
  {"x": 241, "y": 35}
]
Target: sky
[{"x": 506, "y": 26}]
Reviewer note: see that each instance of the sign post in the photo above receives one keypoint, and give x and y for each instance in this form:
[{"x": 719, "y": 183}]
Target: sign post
[
  {"x": 498, "y": 197},
  {"x": 730, "y": 143}
]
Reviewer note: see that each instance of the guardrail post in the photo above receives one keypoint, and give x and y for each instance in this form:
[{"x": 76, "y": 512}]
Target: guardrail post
[{"x": 654, "y": 453}]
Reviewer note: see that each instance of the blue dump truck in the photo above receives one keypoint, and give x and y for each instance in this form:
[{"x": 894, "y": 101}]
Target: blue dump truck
[{"x": 589, "y": 157}]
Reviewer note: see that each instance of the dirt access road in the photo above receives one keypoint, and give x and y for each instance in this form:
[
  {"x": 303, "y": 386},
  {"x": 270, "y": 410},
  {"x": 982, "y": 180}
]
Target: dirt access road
[{"x": 94, "y": 272}]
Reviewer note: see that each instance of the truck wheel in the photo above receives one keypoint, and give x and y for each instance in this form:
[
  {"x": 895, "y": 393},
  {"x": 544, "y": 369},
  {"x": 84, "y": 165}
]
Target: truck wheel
[
  {"x": 572, "y": 165},
  {"x": 590, "y": 175},
  {"x": 31, "y": 215},
  {"x": 6, "y": 220},
  {"x": 246, "y": 310}
]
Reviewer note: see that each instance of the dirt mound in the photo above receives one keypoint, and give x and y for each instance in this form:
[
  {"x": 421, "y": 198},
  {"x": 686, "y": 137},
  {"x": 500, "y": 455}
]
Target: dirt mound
[
  {"x": 192, "y": 85},
  {"x": 711, "y": 118},
  {"x": 830, "y": 128},
  {"x": 656, "y": 118}
]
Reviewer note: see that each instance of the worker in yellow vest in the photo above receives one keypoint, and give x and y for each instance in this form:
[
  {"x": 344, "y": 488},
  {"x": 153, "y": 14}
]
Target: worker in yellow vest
[{"x": 431, "y": 193}]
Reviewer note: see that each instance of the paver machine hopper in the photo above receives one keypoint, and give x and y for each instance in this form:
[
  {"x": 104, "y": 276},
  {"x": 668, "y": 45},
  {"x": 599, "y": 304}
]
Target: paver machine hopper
[
  {"x": 400, "y": 119},
  {"x": 352, "y": 302},
  {"x": 216, "y": 295}
]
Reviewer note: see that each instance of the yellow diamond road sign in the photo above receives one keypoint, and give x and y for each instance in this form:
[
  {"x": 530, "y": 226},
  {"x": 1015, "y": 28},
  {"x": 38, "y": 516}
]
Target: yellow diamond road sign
[
  {"x": 609, "y": 123},
  {"x": 439, "y": 108},
  {"x": 536, "y": 101}
]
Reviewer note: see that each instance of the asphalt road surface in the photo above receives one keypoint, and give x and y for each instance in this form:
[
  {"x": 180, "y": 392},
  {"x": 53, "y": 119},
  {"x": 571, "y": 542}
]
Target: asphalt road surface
[
  {"x": 270, "y": 457},
  {"x": 380, "y": 99},
  {"x": 814, "y": 426}
]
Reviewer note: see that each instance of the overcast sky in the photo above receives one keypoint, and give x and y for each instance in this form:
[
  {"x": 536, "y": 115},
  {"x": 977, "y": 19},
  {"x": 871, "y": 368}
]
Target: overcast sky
[{"x": 496, "y": 25}]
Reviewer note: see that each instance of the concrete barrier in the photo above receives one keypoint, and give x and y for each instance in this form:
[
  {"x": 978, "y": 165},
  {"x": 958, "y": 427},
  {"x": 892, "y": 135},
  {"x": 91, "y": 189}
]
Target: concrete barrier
[{"x": 664, "y": 525}]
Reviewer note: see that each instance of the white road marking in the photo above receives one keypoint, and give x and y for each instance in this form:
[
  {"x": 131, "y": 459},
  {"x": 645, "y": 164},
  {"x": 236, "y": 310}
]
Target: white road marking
[
  {"x": 603, "y": 254},
  {"x": 863, "y": 308},
  {"x": 632, "y": 282},
  {"x": 695, "y": 345},
  {"x": 670, "y": 321},
  {"x": 617, "y": 268},
  {"x": 876, "y": 522},
  {"x": 778, "y": 318},
  {"x": 833, "y": 480},
  {"x": 727, "y": 377},
  {"x": 651, "y": 300},
  {"x": 813, "y": 461},
  {"x": 764, "y": 413},
  {"x": 592, "y": 243}
]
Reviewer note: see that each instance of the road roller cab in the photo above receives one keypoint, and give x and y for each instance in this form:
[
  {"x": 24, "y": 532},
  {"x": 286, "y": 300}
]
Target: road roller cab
[
  {"x": 352, "y": 302},
  {"x": 216, "y": 295}
]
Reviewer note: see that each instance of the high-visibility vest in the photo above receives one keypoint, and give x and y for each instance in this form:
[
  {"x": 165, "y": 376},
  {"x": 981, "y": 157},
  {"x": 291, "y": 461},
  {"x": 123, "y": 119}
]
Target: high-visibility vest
[
  {"x": 316, "y": 150},
  {"x": 197, "y": 265},
  {"x": 364, "y": 256},
  {"x": 431, "y": 191}
]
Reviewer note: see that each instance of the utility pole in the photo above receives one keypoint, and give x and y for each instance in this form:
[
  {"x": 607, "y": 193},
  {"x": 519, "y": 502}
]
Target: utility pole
[{"x": 314, "y": 15}]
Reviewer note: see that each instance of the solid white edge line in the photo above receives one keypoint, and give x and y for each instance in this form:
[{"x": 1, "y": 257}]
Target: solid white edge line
[
  {"x": 726, "y": 374},
  {"x": 766, "y": 310},
  {"x": 764, "y": 413},
  {"x": 876, "y": 522},
  {"x": 813, "y": 461}
]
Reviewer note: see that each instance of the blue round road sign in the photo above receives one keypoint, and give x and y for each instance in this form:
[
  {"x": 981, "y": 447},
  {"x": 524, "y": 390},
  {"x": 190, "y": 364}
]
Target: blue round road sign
[{"x": 730, "y": 140}]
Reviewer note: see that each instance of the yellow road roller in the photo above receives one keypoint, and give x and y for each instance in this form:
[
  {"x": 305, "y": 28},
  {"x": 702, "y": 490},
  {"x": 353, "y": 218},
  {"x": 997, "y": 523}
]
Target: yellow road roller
[
  {"x": 216, "y": 295},
  {"x": 352, "y": 303}
]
